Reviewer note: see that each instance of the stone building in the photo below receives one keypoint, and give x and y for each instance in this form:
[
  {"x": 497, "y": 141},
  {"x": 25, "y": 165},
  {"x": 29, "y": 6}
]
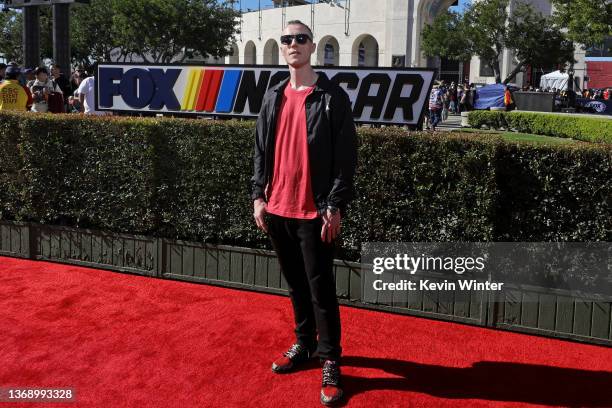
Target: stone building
[{"x": 367, "y": 33}]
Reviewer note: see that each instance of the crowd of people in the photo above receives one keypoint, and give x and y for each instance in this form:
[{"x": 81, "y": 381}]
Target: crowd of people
[
  {"x": 447, "y": 100},
  {"x": 601, "y": 94},
  {"x": 562, "y": 96},
  {"x": 46, "y": 89}
]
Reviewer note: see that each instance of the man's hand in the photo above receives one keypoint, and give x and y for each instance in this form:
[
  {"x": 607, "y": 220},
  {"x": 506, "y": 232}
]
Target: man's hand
[
  {"x": 331, "y": 226},
  {"x": 259, "y": 211}
]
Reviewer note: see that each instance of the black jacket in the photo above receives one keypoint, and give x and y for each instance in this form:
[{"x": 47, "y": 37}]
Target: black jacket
[
  {"x": 64, "y": 85},
  {"x": 332, "y": 143}
]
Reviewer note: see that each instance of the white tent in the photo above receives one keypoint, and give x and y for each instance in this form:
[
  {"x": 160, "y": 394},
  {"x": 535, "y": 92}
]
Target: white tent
[
  {"x": 554, "y": 79},
  {"x": 557, "y": 80}
]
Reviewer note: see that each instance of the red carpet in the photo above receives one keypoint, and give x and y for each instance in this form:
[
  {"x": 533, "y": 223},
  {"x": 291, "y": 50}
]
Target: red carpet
[{"x": 130, "y": 341}]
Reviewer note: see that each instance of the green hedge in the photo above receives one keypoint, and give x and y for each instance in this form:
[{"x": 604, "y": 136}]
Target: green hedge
[
  {"x": 10, "y": 165},
  {"x": 189, "y": 179},
  {"x": 587, "y": 128},
  {"x": 87, "y": 172},
  {"x": 560, "y": 193}
]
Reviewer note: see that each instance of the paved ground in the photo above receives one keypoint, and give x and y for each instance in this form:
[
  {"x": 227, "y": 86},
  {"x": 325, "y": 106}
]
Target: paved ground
[{"x": 452, "y": 122}]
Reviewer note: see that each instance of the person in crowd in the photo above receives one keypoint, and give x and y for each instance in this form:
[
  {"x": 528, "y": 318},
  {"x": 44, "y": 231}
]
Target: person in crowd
[
  {"x": 426, "y": 115},
  {"x": 29, "y": 77},
  {"x": 42, "y": 88},
  {"x": 467, "y": 100},
  {"x": 74, "y": 101},
  {"x": 305, "y": 156},
  {"x": 443, "y": 87},
  {"x": 60, "y": 79},
  {"x": 2, "y": 71},
  {"x": 460, "y": 94},
  {"x": 445, "y": 101},
  {"x": 452, "y": 98},
  {"x": 508, "y": 101},
  {"x": 76, "y": 78},
  {"x": 435, "y": 106},
  {"x": 472, "y": 95},
  {"x": 13, "y": 95},
  {"x": 86, "y": 97}
]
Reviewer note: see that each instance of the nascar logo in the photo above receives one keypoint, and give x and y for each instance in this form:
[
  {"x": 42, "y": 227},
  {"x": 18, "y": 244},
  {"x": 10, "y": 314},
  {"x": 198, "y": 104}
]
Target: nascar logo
[
  {"x": 390, "y": 96},
  {"x": 599, "y": 107},
  {"x": 203, "y": 88}
]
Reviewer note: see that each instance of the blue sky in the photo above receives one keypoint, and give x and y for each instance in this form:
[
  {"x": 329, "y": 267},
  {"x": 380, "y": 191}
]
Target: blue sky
[{"x": 253, "y": 4}]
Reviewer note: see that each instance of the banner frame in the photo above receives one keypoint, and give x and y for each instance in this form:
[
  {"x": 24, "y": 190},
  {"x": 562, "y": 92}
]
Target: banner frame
[{"x": 418, "y": 125}]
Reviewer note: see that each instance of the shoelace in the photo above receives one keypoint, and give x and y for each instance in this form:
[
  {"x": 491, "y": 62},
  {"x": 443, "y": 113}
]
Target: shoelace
[
  {"x": 331, "y": 373},
  {"x": 293, "y": 351}
]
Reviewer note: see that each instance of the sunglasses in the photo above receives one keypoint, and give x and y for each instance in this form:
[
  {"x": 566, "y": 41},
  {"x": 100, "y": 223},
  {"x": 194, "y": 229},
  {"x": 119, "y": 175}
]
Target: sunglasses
[{"x": 299, "y": 38}]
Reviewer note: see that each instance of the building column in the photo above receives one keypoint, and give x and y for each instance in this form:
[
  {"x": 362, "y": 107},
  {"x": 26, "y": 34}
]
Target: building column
[
  {"x": 410, "y": 31},
  {"x": 31, "y": 37},
  {"x": 397, "y": 32},
  {"x": 416, "y": 57},
  {"x": 61, "y": 37}
]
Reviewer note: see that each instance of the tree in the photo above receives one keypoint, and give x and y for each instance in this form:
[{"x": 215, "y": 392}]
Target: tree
[
  {"x": 446, "y": 37},
  {"x": 541, "y": 42},
  {"x": 155, "y": 30},
  {"x": 10, "y": 36},
  {"x": 586, "y": 22},
  {"x": 486, "y": 28},
  {"x": 91, "y": 32},
  {"x": 170, "y": 30}
]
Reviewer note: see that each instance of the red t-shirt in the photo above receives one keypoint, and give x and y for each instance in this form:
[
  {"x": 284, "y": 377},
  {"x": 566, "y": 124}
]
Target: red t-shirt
[{"x": 290, "y": 193}]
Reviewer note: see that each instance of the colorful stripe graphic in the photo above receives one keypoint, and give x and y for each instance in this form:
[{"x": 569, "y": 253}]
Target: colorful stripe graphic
[
  {"x": 203, "y": 91},
  {"x": 229, "y": 89},
  {"x": 211, "y": 90},
  {"x": 197, "y": 83},
  {"x": 189, "y": 90}
]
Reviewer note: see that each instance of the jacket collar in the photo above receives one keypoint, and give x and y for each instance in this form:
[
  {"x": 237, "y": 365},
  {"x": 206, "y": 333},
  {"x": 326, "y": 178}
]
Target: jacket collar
[{"x": 322, "y": 84}]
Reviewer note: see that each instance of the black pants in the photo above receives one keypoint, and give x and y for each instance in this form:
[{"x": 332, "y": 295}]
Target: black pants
[{"x": 307, "y": 265}]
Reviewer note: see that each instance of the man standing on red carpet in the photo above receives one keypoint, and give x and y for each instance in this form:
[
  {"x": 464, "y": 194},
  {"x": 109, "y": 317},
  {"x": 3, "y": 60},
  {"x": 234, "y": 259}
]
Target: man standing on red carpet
[{"x": 305, "y": 159}]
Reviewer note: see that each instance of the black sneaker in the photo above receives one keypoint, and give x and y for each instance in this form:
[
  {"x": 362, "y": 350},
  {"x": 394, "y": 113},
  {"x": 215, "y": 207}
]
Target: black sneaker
[
  {"x": 295, "y": 355},
  {"x": 330, "y": 389}
]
